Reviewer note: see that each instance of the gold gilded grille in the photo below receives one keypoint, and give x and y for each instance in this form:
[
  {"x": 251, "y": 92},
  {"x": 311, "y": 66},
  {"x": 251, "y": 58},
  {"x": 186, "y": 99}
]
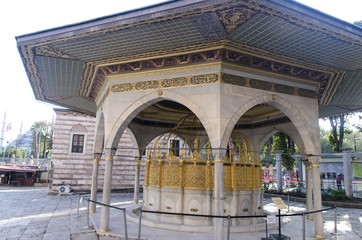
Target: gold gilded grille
[
  {"x": 194, "y": 169},
  {"x": 200, "y": 175}
]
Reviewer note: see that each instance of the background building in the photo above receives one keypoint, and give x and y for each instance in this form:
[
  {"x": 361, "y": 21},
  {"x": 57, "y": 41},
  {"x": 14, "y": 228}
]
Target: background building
[{"x": 72, "y": 154}]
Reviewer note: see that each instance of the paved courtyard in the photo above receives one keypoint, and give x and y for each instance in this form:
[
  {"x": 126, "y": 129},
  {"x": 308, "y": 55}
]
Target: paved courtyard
[{"x": 32, "y": 213}]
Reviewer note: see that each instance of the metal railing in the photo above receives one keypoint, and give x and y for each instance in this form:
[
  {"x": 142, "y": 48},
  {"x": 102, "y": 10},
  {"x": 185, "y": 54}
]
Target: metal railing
[
  {"x": 106, "y": 205},
  {"x": 271, "y": 183},
  {"x": 229, "y": 218}
]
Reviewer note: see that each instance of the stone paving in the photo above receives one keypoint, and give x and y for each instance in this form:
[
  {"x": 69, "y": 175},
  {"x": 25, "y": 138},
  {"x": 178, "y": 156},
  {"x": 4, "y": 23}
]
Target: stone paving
[{"x": 32, "y": 213}]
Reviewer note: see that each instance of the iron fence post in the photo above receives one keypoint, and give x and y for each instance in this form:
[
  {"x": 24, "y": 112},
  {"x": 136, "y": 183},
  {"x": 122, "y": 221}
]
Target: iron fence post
[
  {"x": 335, "y": 220},
  {"x": 303, "y": 225},
  {"x": 88, "y": 214},
  {"x": 229, "y": 223},
  {"x": 125, "y": 223},
  {"x": 78, "y": 205},
  {"x": 139, "y": 225},
  {"x": 266, "y": 229}
]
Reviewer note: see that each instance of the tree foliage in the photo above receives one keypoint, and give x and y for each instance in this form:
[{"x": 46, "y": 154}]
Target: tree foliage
[
  {"x": 281, "y": 141},
  {"x": 339, "y": 129},
  {"x": 13, "y": 151},
  {"x": 42, "y": 138},
  {"x": 286, "y": 144}
]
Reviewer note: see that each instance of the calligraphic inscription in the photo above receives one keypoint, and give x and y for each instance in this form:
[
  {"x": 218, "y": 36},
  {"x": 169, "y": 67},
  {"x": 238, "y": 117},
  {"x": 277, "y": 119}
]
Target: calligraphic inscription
[
  {"x": 174, "y": 82},
  {"x": 203, "y": 79},
  {"x": 260, "y": 84},
  {"x": 232, "y": 79},
  {"x": 124, "y": 87},
  {"x": 146, "y": 85},
  {"x": 284, "y": 89},
  {"x": 306, "y": 93}
]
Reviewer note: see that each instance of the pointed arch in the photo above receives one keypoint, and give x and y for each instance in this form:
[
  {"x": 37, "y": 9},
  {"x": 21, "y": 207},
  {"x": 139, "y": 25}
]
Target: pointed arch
[
  {"x": 309, "y": 140},
  {"x": 294, "y": 135},
  {"x": 136, "y": 107}
]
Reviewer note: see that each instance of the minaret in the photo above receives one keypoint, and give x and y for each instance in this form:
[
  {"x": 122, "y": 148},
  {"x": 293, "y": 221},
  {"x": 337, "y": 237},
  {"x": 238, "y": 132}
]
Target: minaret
[
  {"x": 19, "y": 136},
  {"x": 3, "y": 131}
]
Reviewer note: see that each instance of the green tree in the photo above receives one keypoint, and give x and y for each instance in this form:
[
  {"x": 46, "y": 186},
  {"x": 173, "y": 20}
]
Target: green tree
[
  {"x": 16, "y": 152},
  {"x": 42, "y": 138},
  {"x": 339, "y": 129},
  {"x": 284, "y": 142},
  {"x": 324, "y": 138},
  {"x": 358, "y": 126},
  {"x": 281, "y": 141}
]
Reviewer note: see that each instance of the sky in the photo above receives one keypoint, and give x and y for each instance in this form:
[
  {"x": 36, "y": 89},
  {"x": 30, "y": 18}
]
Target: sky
[{"x": 24, "y": 16}]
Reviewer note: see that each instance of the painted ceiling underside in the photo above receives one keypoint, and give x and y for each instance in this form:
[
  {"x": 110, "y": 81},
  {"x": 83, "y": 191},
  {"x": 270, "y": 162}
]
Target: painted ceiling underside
[{"x": 67, "y": 66}]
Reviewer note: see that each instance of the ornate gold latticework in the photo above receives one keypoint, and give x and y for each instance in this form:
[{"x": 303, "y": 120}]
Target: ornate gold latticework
[
  {"x": 187, "y": 174},
  {"x": 193, "y": 168}
]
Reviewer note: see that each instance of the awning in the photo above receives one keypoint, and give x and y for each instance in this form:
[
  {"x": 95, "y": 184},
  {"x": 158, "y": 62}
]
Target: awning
[{"x": 18, "y": 168}]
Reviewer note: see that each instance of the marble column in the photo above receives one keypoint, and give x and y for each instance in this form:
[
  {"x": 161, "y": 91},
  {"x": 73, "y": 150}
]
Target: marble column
[
  {"x": 219, "y": 197},
  {"x": 300, "y": 169},
  {"x": 278, "y": 165},
  {"x": 308, "y": 187},
  {"x": 93, "y": 197},
  {"x": 347, "y": 168},
  {"x": 104, "y": 225},
  {"x": 317, "y": 196},
  {"x": 137, "y": 183}
]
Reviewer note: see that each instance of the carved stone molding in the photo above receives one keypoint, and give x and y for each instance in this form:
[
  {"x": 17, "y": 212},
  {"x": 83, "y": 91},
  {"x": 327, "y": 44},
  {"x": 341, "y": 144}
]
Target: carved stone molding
[
  {"x": 49, "y": 51},
  {"x": 231, "y": 18}
]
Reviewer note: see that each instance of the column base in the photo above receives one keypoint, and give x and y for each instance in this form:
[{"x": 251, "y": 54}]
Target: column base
[
  {"x": 104, "y": 230},
  {"x": 319, "y": 236}
]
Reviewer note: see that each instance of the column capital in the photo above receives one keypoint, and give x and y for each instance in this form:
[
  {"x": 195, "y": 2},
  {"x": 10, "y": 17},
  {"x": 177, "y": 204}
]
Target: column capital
[
  {"x": 307, "y": 164},
  {"x": 278, "y": 155},
  {"x": 97, "y": 156},
  {"x": 314, "y": 159},
  {"x": 110, "y": 152},
  {"x": 219, "y": 154},
  {"x": 278, "y": 152},
  {"x": 346, "y": 150}
]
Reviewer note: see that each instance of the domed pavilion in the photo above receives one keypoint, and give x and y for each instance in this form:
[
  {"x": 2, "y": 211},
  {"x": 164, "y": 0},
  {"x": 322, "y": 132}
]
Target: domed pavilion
[{"x": 200, "y": 86}]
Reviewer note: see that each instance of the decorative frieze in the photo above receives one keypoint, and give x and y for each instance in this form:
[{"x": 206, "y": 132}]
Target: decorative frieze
[
  {"x": 240, "y": 59},
  {"x": 258, "y": 84},
  {"x": 210, "y": 79},
  {"x": 124, "y": 87},
  {"x": 174, "y": 82},
  {"x": 232, "y": 79},
  {"x": 284, "y": 89},
  {"x": 204, "y": 79}
]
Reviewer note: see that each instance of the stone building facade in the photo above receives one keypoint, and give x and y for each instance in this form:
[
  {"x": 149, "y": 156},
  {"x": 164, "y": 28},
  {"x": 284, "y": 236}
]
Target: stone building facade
[{"x": 72, "y": 161}]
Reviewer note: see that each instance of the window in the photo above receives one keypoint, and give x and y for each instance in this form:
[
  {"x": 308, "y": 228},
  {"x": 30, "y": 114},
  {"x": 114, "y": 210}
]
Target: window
[
  {"x": 77, "y": 143},
  {"x": 78, "y": 139},
  {"x": 175, "y": 148}
]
